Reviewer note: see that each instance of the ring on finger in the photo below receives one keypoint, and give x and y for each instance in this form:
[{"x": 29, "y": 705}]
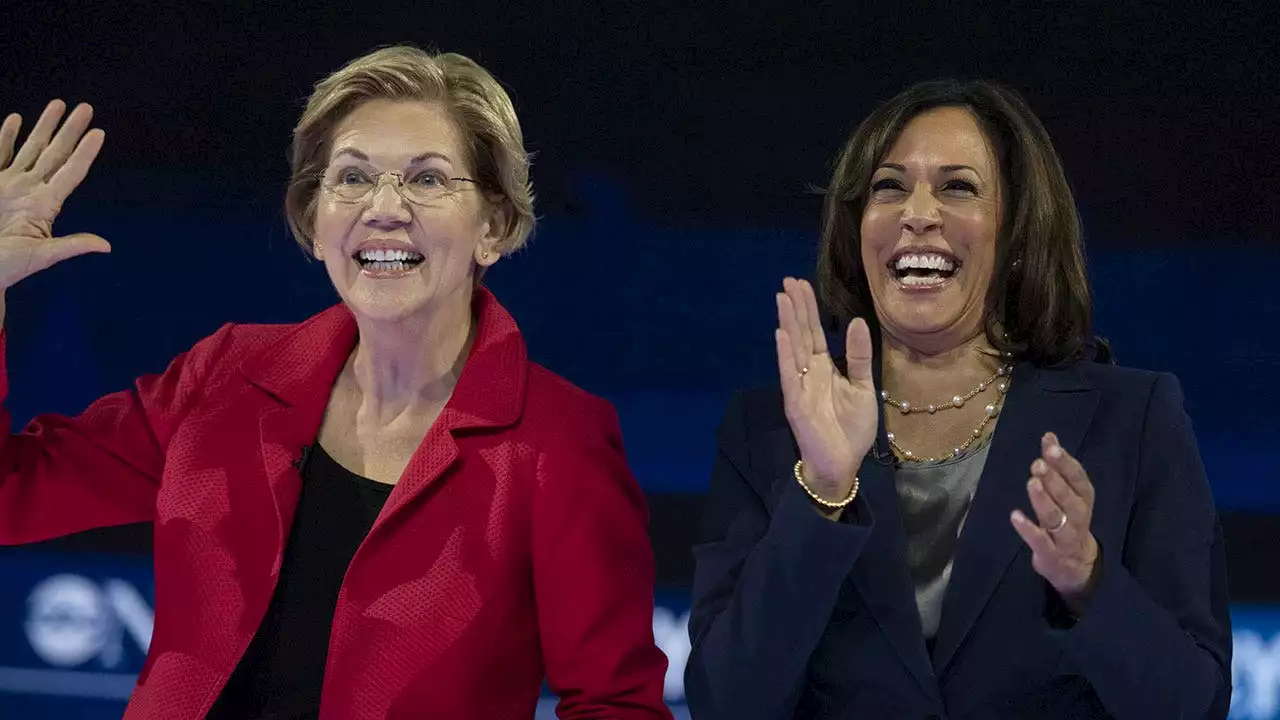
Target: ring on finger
[{"x": 1061, "y": 524}]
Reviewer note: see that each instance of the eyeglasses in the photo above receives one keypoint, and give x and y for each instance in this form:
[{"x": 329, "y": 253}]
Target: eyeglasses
[{"x": 427, "y": 187}]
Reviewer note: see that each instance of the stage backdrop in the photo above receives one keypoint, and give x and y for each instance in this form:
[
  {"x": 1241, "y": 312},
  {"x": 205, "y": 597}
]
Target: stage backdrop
[
  {"x": 665, "y": 322},
  {"x": 677, "y": 145}
]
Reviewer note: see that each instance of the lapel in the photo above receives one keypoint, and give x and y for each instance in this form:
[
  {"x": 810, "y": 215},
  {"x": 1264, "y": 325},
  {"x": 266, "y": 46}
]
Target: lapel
[
  {"x": 881, "y": 573},
  {"x": 490, "y": 394},
  {"x": 296, "y": 372},
  {"x": 1039, "y": 401},
  {"x": 299, "y": 370},
  {"x": 883, "y": 577}
]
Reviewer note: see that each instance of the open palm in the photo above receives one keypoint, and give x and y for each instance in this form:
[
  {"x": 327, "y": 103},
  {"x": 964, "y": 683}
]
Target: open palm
[
  {"x": 832, "y": 416},
  {"x": 33, "y": 185}
]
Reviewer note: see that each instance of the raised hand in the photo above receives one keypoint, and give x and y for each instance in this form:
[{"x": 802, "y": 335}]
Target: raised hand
[
  {"x": 1063, "y": 548},
  {"x": 832, "y": 416},
  {"x": 33, "y": 185}
]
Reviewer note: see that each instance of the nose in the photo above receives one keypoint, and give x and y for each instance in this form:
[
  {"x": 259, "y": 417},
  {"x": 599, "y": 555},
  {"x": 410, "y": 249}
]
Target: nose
[
  {"x": 920, "y": 212},
  {"x": 386, "y": 207}
]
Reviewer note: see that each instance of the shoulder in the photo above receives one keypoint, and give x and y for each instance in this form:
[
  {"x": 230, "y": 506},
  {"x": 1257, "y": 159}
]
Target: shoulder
[
  {"x": 218, "y": 358},
  {"x": 1117, "y": 385},
  {"x": 248, "y": 338},
  {"x": 1116, "y": 377},
  {"x": 753, "y": 412},
  {"x": 1158, "y": 394},
  {"x": 234, "y": 341},
  {"x": 557, "y": 409},
  {"x": 577, "y": 441},
  {"x": 1132, "y": 401}
]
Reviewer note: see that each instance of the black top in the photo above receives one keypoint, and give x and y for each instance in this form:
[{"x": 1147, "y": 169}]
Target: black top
[{"x": 280, "y": 675}]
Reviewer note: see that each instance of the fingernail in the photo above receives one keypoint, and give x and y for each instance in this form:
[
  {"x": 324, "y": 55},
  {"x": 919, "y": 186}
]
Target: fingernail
[
  {"x": 1018, "y": 517},
  {"x": 1039, "y": 467},
  {"x": 1034, "y": 485},
  {"x": 1055, "y": 451}
]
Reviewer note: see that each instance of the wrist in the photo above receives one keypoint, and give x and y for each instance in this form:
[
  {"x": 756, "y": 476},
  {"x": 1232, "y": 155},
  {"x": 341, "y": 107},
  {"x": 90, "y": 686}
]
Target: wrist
[
  {"x": 830, "y": 498},
  {"x": 1077, "y": 600}
]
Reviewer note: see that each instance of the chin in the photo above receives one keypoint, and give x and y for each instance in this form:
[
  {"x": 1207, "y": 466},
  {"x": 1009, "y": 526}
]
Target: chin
[
  {"x": 383, "y": 306},
  {"x": 923, "y": 320}
]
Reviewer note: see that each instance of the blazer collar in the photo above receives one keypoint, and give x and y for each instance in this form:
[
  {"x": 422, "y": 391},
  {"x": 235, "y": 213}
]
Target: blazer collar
[
  {"x": 298, "y": 371},
  {"x": 301, "y": 367},
  {"x": 1039, "y": 400}
]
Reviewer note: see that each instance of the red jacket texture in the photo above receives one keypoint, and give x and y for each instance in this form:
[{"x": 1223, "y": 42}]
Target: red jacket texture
[{"x": 513, "y": 548}]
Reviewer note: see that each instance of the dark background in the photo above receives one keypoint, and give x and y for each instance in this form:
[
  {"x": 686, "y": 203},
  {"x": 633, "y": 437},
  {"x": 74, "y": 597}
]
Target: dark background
[{"x": 676, "y": 148}]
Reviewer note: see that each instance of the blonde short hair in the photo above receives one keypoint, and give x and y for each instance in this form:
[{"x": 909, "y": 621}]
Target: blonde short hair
[{"x": 478, "y": 103}]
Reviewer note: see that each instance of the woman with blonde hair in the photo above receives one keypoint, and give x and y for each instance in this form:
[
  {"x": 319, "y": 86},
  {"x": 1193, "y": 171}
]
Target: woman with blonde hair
[{"x": 386, "y": 510}]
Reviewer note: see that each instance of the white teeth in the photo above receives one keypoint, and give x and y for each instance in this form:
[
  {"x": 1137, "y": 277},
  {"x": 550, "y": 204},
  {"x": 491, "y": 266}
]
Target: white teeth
[
  {"x": 385, "y": 255},
  {"x": 924, "y": 262},
  {"x": 922, "y": 280}
]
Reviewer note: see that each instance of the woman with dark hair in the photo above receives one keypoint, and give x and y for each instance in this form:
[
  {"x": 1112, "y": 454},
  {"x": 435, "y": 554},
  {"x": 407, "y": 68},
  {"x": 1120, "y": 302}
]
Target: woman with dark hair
[{"x": 970, "y": 514}]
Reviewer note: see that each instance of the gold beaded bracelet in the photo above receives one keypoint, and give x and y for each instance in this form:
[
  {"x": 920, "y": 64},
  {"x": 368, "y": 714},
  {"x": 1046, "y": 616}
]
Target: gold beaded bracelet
[{"x": 853, "y": 491}]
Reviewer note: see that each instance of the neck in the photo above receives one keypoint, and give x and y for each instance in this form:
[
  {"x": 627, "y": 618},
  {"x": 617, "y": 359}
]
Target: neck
[
  {"x": 935, "y": 376},
  {"x": 402, "y": 365}
]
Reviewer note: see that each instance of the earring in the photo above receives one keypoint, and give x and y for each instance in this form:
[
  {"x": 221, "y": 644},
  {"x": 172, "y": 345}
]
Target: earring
[
  {"x": 484, "y": 255},
  {"x": 319, "y": 249}
]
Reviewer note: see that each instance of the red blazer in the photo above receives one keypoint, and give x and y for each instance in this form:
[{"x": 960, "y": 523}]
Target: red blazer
[{"x": 513, "y": 548}]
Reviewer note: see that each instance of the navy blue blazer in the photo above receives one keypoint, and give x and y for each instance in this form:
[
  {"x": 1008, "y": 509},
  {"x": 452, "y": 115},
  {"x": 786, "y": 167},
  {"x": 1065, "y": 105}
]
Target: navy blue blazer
[{"x": 798, "y": 616}]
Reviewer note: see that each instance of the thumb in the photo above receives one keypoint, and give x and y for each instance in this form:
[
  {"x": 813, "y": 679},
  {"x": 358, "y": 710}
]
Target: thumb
[
  {"x": 58, "y": 249},
  {"x": 70, "y": 246},
  {"x": 857, "y": 351}
]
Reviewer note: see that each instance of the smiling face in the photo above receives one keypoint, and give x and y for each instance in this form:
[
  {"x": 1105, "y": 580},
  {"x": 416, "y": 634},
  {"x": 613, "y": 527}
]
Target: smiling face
[
  {"x": 390, "y": 258},
  {"x": 929, "y": 230}
]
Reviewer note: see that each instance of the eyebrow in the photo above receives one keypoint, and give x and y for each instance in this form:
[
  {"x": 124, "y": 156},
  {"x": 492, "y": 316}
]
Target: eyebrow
[
  {"x": 415, "y": 161},
  {"x": 943, "y": 168}
]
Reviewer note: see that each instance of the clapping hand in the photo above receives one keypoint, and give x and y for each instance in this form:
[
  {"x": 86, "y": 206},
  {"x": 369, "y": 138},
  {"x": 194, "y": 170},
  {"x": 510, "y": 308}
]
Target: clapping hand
[
  {"x": 1063, "y": 548},
  {"x": 833, "y": 416}
]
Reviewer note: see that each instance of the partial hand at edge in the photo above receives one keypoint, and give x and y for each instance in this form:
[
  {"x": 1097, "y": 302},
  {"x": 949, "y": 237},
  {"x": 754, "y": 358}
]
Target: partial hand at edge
[{"x": 35, "y": 182}]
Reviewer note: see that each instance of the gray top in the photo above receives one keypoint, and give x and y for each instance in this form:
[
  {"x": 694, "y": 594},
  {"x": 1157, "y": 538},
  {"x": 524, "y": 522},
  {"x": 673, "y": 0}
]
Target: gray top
[{"x": 935, "y": 498}]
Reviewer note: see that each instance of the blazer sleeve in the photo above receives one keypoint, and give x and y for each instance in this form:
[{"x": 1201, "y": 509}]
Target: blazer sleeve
[
  {"x": 61, "y": 475},
  {"x": 766, "y": 582},
  {"x": 1156, "y": 640},
  {"x": 593, "y": 576}
]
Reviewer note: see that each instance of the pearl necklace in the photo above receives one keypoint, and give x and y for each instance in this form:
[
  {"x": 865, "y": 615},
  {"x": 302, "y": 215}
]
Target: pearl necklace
[
  {"x": 992, "y": 411},
  {"x": 957, "y": 401}
]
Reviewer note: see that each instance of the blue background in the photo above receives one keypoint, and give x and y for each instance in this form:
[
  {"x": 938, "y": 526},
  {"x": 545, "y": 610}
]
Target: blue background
[{"x": 663, "y": 320}]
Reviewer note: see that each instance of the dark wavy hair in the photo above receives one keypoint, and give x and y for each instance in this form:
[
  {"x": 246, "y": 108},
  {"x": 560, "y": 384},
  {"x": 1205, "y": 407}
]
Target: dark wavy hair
[{"x": 1039, "y": 304}]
